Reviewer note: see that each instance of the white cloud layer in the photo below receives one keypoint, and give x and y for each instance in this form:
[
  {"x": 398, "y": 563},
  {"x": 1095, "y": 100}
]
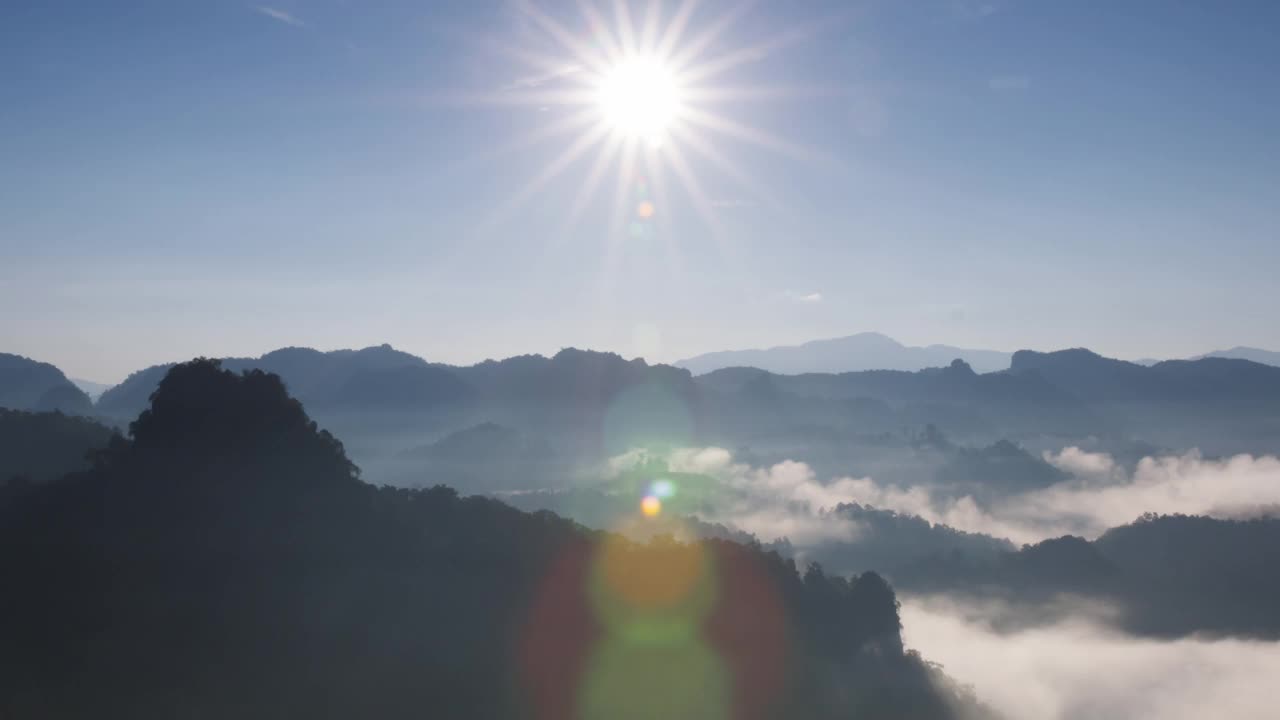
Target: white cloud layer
[
  {"x": 788, "y": 500},
  {"x": 1103, "y": 495},
  {"x": 1079, "y": 670}
]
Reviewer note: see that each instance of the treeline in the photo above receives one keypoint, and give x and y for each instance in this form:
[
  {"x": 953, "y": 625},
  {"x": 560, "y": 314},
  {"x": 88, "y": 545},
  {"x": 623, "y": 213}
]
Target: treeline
[
  {"x": 1165, "y": 575},
  {"x": 226, "y": 561}
]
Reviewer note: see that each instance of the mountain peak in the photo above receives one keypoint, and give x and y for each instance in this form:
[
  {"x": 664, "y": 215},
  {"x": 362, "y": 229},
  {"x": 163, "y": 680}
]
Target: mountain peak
[{"x": 851, "y": 353}]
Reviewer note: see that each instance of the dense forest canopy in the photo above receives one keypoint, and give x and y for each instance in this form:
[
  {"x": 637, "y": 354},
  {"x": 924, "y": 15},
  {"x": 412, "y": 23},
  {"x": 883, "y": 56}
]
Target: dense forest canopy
[{"x": 226, "y": 559}]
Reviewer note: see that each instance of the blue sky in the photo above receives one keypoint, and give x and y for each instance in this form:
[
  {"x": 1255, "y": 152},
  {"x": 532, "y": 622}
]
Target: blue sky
[{"x": 222, "y": 178}]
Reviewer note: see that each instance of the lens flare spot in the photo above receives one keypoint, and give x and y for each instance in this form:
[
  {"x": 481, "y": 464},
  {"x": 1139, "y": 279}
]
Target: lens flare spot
[
  {"x": 659, "y": 576},
  {"x": 662, "y": 489},
  {"x": 651, "y": 505}
]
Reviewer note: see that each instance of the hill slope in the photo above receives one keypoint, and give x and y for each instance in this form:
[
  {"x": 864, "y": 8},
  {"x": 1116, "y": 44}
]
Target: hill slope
[
  {"x": 26, "y": 384},
  {"x": 240, "y": 569}
]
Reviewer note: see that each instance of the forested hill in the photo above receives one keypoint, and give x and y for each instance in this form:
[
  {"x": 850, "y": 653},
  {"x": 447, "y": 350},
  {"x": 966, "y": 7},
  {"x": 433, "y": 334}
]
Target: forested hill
[
  {"x": 26, "y": 384},
  {"x": 226, "y": 561}
]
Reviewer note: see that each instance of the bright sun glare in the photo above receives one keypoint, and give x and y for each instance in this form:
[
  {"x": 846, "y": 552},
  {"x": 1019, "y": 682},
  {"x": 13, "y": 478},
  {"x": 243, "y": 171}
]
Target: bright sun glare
[
  {"x": 650, "y": 93},
  {"x": 639, "y": 98}
]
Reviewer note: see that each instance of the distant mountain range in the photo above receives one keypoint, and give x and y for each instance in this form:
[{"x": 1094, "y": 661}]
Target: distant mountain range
[
  {"x": 864, "y": 351},
  {"x": 875, "y": 351},
  {"x": 93, "y": 389},
  {"x": 1266, "y": 357},
  {"x": 597, "y": 401}
]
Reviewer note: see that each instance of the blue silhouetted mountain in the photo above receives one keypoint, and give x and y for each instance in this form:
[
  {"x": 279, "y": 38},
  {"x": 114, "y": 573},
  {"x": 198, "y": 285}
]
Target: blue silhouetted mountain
[
  {"x": 338, "y": 377},
  {"x": 1258, "y": 355},
  {"x": 1164, "y": 575},
  {"x": 573, "y": 378},
  {"x": 226, "y": 559},
  {"x": 885, "y": 540},
  {"x": 863, "y": 351},
  {"x": 26, "y": 384},
  {"x": 1093, "y": 377},
  {"x": 954, "y": 397},
  {"x": 483, "y": 443},
  {"x": 93, "y": 389},
  {"x": 382, "y": 378}
]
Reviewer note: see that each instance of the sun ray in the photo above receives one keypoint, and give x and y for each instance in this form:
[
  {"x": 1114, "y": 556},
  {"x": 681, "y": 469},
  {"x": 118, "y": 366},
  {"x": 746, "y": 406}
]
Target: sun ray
[
  {"x": 655, "y": 171},
  {"x": 626, "y": 175},
  {"x": 701, "y": 203},
  {"x": 675, "y": 30},
  {"x": 642, "y": 88},
  {"x": 588, "y": 189},
  {"x": 576, "y": 121},
  {"x": 749, "y": 134},
  {"x": 741, "y": 56},
  {"x": 599, "y": 29},
  {"x": 699, "y": 144},
  {"x": 549, "y": 173},
  {"x": 580, "y": 50},
  {"x": 706, "y": 94},
  {"x": 626, "y": 30},
  {"x": 535, "y": 98},
  {"x": 652, "y": 21},
  {"x": 682, "y": 59}
]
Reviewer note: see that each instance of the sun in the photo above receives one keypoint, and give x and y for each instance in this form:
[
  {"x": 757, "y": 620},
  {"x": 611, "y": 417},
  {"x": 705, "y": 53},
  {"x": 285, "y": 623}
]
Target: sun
[
  {"x": 651, "y": 94},
  {"x": 639, "y": 98}
]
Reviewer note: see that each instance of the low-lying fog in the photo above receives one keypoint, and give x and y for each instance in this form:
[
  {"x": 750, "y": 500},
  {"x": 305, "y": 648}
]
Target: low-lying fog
[
  {"x": 787, "y": 499},
  {"x": 1081, "y": 670}
]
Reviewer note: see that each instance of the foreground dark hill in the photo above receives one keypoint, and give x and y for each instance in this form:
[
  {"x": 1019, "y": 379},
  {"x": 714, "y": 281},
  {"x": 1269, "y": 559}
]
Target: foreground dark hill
[
  {"x": 38, "y": 447},
  {"x": 26, "y": 384},
  {"x": 226, "y": 561}
]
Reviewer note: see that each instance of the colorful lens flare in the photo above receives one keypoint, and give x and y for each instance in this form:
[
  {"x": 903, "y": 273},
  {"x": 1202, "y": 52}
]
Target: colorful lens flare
[
  {"x": 662, "y": 489},
  {"x": 651, "y": 506}
]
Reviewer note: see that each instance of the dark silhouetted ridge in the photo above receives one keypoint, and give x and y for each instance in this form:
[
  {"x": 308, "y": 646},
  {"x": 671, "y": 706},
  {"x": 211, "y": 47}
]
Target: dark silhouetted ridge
[{"x": 225, "y": 561}]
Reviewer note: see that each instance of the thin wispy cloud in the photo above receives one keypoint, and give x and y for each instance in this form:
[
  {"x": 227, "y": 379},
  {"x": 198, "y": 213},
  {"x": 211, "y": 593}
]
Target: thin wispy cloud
[
  {"x": 533, "y": 81},
  {"x": 801, "y": 297},
  {"x": 279, "y": 15}
]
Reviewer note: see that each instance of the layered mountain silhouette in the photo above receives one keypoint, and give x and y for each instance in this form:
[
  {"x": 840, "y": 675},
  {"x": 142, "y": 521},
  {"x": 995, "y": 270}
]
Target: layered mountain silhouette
[
  {"x": 1240, "y": 352},
  {"x": 26, "y": 384},
  {"x": 863, "y": 351},
  {"x": 93, "y": 389},
  {"x": 226, "y": 560},
  {"x": 588, "y": 403},
  {"x": 1168, "y": 576},
  {"x": 382, "y": 378}
]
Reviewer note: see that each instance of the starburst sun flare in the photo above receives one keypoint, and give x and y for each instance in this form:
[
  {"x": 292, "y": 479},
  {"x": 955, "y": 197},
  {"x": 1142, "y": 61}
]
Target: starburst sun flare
[
  {"x": 642, "y": 96},
  {"x": 639, "y": 97}
]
